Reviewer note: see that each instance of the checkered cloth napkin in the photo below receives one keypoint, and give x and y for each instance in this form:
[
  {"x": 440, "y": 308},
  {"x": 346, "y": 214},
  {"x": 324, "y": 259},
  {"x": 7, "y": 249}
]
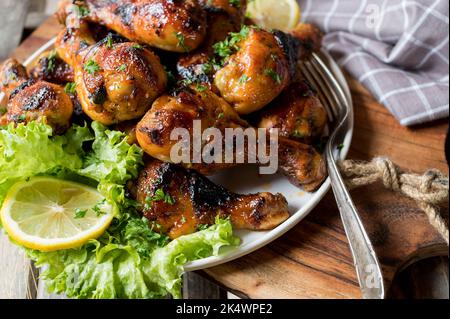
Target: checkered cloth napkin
[{"x": 399, "y": 49}]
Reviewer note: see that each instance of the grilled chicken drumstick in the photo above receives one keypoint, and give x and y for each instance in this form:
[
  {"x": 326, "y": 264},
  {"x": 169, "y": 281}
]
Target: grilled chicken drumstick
[
  {"x": 33, "y": 100},
  {"x": 300, "y": 162},
  {"x": 180, "y": 201},
  {"x": 171, "y": 25},
  {"x": 263, "y": 66},
  {"x": 116, "y": 81}
]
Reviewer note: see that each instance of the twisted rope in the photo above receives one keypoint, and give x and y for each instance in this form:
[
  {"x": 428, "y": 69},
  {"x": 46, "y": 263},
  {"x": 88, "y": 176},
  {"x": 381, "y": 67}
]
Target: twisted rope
[{"x": 428, "y": 190}]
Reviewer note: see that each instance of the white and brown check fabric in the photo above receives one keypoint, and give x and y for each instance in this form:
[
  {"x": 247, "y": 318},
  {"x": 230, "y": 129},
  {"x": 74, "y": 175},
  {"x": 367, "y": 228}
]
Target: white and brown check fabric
[{"x": 399, "y": 49}]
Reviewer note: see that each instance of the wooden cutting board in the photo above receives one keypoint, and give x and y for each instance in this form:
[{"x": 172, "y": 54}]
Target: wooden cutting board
[{"x": 313, "y": 260}]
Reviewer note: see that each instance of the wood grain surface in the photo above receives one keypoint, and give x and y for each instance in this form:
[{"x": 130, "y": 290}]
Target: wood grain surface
[{"x": 313, "y": 260}]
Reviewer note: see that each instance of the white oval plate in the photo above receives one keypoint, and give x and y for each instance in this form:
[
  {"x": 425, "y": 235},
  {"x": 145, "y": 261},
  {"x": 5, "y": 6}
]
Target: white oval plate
[{"x": 245, "y": 180}]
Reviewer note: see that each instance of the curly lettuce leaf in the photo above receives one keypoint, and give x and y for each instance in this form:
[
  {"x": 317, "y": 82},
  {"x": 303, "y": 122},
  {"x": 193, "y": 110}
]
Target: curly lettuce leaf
[
  {"x": 112, "y": 159},
  {"x": 130, "y": 262},
  {"x": 112, "y": 162}
]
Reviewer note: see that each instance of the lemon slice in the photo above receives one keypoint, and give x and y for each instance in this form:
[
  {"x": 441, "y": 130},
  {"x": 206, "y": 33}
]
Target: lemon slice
[
  {"x": 283, "y": 15},
  {"x": 48, "y": 214}
]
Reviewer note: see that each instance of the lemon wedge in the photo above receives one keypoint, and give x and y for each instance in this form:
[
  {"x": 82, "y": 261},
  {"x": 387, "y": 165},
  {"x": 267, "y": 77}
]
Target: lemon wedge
[
  {"x": 283, "y": 15},
  {"x": 49, "y": 214}
]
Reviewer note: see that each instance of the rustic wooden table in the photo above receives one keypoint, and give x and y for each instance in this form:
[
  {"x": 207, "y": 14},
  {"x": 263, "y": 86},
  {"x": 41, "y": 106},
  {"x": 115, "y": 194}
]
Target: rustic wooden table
[{"x": 313, "y": 260}]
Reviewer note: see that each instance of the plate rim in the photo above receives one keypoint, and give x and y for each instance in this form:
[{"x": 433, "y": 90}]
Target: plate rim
[{"x": 268, "y": 236}]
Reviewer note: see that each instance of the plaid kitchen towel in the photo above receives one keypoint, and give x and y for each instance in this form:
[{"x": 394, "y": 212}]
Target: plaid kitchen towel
[{"x": 399, "y": 49}]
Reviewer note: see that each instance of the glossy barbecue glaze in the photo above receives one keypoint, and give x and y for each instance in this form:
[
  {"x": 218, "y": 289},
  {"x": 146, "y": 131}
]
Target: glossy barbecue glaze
[
  {"x": 264, "y": 65},
  {"x": 256, "y": 74}
]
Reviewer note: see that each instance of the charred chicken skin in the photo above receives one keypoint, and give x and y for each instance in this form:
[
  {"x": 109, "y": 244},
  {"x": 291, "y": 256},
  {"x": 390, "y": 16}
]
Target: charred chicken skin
[
  {"x": 297, "y": 114},
  {"x": 30, "y": 100},
  {"x": 179, "y": 201},
  {"x": 171, "y": 25},
  {"x": 235, "y": 9},
  {"x": 49, "y": 67},
  {"x": 301, "y": 163},
  {"x": 116, "y": 81}
]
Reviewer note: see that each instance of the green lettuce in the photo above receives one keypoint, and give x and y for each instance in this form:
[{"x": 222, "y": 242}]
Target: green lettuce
[
  {"x": 133, "y": 262},
  {"x": 129, "y": 260},
  {"x": 112, "y": 159}
]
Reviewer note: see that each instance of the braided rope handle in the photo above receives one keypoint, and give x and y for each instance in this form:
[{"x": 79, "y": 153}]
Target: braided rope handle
[{"x": 428, "y": 190}]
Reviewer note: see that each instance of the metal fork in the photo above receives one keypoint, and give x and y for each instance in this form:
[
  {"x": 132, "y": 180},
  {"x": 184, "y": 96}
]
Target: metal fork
[{"x": 340, "y": 115}]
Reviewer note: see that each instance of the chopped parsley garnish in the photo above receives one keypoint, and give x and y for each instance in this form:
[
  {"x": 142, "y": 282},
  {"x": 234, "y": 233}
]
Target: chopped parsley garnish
[
  {"x": 340, "y": 146},
  {"x": 80, "y": 213},
  {"x": 91, "y": 67},
  {"x": 211, "y": 66},
  {"x": 109, "y": 41},
  {"x": 244, "y": 79},
  {"x": 81, "y": 11},
  {"x": 201, "y": 88},
  {"x": 181, "y": 41},
  {"x": 170, "y": 76},
  {"x": 183, "y": 219},
  {"x": 235, "y": 3},
  {"x": 220, "y": 116},
  {"x": 297, "y": 134},
  {"x": 137, "y": 46},
  {"x": 22, "y": 117},
  {"x": 154, "y": 224},
  {"x": 97, "y": 208},
  {"x": 159, "y": 196},
  {"x": 202, "y": 226},
  {"x": 51, "y": 61},
  {"x": 186, "y": 82},
  {"x": 70, "y": 88},
  {"x": 230, "y": 45},
  {"x": 123, "y": 67},
  {"x": 141, "y": 237},
  {"x": 274, "y": 75}
]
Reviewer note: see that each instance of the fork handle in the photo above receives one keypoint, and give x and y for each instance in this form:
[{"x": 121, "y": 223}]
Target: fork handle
[{"x": 368, "y": 269}]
